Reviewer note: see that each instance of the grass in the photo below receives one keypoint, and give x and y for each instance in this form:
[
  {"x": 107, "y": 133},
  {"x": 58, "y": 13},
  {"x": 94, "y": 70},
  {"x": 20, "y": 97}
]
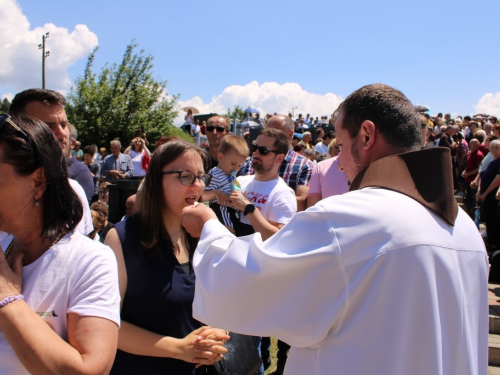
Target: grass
[{"x": 273, "y": 350}]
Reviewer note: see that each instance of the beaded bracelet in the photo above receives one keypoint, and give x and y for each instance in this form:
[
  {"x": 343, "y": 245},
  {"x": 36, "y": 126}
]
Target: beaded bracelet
[{"x": 11, "y": 299}]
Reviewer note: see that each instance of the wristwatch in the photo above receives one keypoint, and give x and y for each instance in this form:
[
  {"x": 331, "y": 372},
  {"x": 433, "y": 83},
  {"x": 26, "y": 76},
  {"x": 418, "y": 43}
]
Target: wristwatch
[{"x": 249, "y": 208}]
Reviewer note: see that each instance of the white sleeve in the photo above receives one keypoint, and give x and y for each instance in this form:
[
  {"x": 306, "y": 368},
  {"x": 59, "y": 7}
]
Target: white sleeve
[
  {"x": 292, "y": 286},
  {"x": 94, "y": 288},
  {"x": 85, "y": 225},
  {"x": 317, "y": 147}
]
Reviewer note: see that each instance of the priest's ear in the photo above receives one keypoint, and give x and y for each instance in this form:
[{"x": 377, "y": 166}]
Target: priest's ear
[{"x": 368, "y": 134}]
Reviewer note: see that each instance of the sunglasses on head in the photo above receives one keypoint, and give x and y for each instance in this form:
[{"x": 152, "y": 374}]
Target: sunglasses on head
[
  {"x": 262, "y": 150},
  {"x": 220, "y": 129},
  {"x": 6, "y": 119}
]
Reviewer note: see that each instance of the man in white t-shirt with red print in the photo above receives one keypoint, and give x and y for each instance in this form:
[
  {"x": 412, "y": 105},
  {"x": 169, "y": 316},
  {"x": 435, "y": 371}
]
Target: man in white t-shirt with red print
[{"x": 266, "y": 201}]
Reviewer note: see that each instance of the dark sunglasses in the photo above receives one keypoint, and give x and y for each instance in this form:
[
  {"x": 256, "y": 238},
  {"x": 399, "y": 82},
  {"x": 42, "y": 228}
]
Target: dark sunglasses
[
  {"x": 6, "y": 119},
  {"x": 187, "y": 178},
  {"x": 220, "y": 129},
  {"x": 262, "y": 150}
]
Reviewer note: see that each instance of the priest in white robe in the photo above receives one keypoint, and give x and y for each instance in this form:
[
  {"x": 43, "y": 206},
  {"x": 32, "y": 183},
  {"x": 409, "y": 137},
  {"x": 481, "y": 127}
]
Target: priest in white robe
[{"x": 390, "y": 278}]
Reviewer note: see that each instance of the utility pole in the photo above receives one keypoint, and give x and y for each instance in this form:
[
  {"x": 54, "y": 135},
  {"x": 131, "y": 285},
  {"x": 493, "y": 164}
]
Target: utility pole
[
  {"x": 293, "y": 111},
  {"x": 44, "y": 56}
]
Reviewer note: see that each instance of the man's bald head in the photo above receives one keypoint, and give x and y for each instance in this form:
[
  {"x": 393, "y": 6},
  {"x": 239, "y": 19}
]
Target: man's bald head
[
  {"x": 283, "y": 123},
  {"x": 474, "y": 144},
  {"x": 217, "y": 127},
  {"x": 219, "y": 121}
]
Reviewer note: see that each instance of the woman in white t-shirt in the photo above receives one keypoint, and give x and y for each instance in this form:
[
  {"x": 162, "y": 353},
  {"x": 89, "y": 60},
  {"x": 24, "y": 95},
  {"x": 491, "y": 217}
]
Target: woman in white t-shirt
[
  {"x": 140, "y": 156},
  {"x": 59, "y": 296}
]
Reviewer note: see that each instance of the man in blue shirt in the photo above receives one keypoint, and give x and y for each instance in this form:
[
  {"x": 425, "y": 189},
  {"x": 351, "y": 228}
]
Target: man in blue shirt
[{"x": 117, "y": 166}]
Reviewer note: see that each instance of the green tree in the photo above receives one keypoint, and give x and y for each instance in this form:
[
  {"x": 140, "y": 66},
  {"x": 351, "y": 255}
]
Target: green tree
[
  {"x": 237, "y": 112},
  {"x": 4, "y": 106},
  {"x": 113, "y": 104}
]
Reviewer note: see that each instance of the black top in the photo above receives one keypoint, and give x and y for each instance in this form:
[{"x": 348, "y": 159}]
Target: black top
[
  {"x": 104, "y": 232},
  {"x": 95, "y": 169},
  {"x": 159, "y": 298},
  {"x": 487, "y": 177}
]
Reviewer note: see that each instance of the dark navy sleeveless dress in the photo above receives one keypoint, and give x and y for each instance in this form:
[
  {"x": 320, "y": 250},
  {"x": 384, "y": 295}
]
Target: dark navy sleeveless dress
[{"x": 159, "y": 299}]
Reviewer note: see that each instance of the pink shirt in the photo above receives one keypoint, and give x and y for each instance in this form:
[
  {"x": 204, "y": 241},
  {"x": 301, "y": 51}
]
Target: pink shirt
[{"x": 327, "y": 180}]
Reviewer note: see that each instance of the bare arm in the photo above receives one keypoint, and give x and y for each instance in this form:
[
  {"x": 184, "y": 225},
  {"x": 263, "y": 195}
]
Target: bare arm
[
  {"x": 470, "y": 173},
  {"x": 301, "y": 194},
  {"x": 215, "y": 193},
  {"x": 91, "y": 345},
  {"x": 265, "y": 227},
  {"x": 313, "y": 199},
  {"x": 136, "y": 340},
  {"x": 494, "y": 184}
]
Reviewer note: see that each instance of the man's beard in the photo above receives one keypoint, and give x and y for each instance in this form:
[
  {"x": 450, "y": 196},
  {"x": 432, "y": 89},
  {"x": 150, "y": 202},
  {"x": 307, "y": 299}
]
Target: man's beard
[
  {"x": 355, "y": 158},
  {"x": 260, "y": 168}
]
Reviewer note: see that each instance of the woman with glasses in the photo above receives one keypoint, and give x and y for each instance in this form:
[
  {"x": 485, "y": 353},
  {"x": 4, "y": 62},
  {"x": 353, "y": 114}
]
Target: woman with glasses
[
  {"x": 158, "y": 334},
  {"x": 59, "y": 298}
]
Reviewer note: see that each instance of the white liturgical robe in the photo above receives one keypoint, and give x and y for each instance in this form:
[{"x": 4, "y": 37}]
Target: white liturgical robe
[{"x": 369, "y": 282}]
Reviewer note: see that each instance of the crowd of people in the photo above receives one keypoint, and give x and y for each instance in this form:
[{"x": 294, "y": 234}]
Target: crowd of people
[{"x": 303, "y": 231}]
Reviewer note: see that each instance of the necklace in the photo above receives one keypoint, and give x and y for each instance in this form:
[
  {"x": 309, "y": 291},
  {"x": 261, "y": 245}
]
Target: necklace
[
  {"x": 9, "y": 248},
  {"x": 177, "y": 247}
]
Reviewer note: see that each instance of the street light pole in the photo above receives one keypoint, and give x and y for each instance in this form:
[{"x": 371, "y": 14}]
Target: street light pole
[{"x": 44, "y": 56}]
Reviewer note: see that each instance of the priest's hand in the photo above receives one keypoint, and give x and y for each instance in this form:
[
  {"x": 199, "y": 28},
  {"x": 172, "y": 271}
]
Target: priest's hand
[{"x": 195, "y": 217}]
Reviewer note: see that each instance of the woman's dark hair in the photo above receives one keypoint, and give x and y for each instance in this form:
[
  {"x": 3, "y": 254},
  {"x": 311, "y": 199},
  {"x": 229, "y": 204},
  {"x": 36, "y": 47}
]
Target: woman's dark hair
[
  {"x": 62, "y": 209},
  {"x": 89, "y": 150},
  {"x": 152, "y": 231}
]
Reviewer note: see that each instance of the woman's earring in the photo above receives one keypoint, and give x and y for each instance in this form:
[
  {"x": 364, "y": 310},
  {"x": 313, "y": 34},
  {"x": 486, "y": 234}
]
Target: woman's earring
[{"x": 37, "y": 202}]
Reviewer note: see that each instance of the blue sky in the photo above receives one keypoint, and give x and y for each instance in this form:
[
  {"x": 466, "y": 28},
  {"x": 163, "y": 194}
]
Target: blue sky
[{"x": 221, "y": 53}]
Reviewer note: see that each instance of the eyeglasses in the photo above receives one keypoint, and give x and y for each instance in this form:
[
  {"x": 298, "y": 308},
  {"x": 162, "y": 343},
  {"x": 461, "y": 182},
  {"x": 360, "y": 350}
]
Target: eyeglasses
[
  {"x": 187, "y": 178},
  {"x": 262, "y": 150},
  {"x": 6, "y": 119},
  {"x": 220, "y": 129},
  {"x": 104, "y": 191}
]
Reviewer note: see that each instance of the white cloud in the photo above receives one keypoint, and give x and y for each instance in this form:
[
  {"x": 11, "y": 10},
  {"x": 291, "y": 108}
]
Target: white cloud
[
  {"x": 8, "y": 95},
  {"x": 21, "y": 58},
  {"x": 268, "y": 97},
  {"x": 489, "y": 104}
]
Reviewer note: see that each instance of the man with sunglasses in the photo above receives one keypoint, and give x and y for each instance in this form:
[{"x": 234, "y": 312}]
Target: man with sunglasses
[
  {"x": 48, "y": 106},
  {"x": 217, "y": 128},
  {"x": 388, "y": 278},
  {"x": 295, "y": 169},
  {"x": 266, "y": 201}
]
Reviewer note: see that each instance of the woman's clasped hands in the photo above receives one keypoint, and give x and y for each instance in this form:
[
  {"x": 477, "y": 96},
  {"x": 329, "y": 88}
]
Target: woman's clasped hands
[{"x": 203, "y": 346}]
